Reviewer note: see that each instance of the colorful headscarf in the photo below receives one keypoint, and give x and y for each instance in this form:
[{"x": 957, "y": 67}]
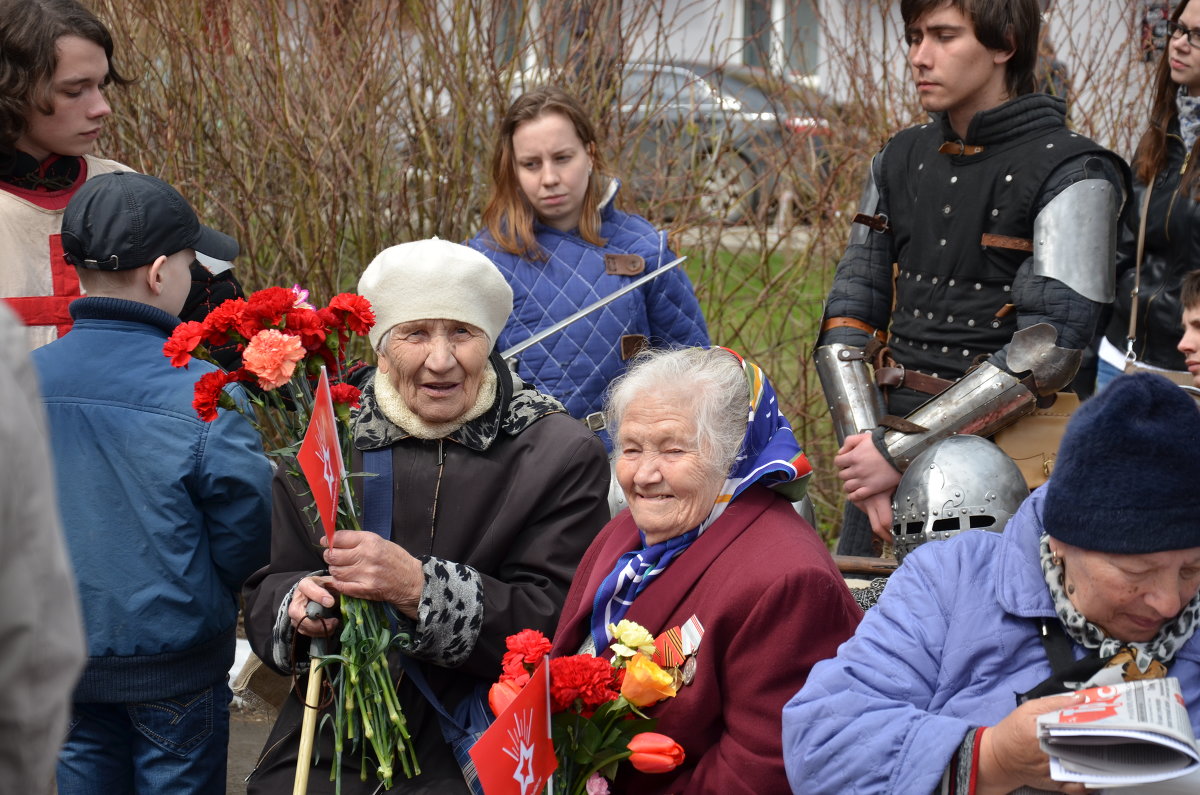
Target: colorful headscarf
[{"x": 769, "y": 453}]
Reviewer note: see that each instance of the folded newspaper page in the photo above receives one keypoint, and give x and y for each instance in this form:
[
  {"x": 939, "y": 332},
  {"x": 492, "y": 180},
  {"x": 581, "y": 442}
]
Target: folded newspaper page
[{"x": 1122, "y": 735}]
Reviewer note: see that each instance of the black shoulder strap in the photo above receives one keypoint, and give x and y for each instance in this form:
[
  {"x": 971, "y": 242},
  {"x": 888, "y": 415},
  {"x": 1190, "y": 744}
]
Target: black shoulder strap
[{"x": 1065, "y": 670}]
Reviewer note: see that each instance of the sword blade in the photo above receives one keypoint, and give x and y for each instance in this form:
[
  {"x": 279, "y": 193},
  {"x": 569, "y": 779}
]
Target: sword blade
[{"x": 606, "y": 300}]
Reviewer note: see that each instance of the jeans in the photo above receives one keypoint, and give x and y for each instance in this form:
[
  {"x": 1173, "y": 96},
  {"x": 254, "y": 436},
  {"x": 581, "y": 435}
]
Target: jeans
[
  {"x": 1105, "y": 373},
  {"x": 176, "y": 745}
]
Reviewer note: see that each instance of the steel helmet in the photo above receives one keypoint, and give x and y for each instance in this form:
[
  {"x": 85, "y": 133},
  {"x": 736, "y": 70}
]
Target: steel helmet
[{"x": 961, "y": 483}]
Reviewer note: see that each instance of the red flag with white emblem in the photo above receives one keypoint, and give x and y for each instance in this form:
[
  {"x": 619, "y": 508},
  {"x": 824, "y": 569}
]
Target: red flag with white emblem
[
  {"x": 320, "y": 457},
  {"x": 515, "y": 756}
]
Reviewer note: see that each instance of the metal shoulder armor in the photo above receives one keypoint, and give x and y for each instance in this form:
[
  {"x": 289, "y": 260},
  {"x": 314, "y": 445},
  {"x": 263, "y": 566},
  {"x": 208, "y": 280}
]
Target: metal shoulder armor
[{"x": 1075, "y": 239}]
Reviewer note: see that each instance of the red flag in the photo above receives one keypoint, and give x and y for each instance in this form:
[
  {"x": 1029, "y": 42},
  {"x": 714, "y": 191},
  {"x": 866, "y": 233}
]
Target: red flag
[
  {"x": 320, "y": 457},
  {"x": 515, "y": 755}
]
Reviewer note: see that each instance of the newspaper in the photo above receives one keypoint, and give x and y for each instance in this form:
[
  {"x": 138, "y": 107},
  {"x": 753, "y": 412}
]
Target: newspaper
[{"x": 1122, "y": 735}]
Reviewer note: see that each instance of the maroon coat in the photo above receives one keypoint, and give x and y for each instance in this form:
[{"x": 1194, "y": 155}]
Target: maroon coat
[{"x": 772, "y": 604}]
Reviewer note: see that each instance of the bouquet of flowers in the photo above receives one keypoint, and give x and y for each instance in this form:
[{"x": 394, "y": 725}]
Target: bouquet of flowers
[
  {"x": 284, "y": 342},
  {"x": 596, "y": 706}
]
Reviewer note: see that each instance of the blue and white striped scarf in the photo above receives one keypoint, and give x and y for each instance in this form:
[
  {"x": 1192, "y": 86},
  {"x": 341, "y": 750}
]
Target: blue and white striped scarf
[{"x": 769, "y": 453}]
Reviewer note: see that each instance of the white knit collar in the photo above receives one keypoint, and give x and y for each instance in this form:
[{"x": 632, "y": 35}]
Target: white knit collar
[{"x": 392, "y": 405}]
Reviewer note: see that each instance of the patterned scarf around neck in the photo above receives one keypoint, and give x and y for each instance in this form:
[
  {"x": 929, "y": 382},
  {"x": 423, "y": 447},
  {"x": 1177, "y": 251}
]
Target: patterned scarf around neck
[
  {"x": 1161, "y": 649},
  {"x": 1188, "y": 109},
  {"x": 769, "y": 453}
]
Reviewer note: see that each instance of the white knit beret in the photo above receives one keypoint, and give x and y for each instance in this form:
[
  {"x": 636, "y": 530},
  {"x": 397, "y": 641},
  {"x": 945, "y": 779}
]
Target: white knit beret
[{"x": 435, "y": 279}]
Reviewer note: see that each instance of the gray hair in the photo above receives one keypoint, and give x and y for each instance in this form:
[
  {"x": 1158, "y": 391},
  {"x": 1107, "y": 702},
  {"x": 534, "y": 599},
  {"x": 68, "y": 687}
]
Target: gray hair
[{"x": 708, "y": 381}]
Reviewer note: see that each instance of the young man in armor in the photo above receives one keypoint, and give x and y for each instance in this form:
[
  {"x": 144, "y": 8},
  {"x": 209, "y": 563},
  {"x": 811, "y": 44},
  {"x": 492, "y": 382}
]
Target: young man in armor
[{"x": 978, "y": 264}]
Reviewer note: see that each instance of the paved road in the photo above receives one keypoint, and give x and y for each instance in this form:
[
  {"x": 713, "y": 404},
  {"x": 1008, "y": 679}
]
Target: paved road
[
  {"x": 247, "y": 733},
  {"x": 248, "y": 729}
]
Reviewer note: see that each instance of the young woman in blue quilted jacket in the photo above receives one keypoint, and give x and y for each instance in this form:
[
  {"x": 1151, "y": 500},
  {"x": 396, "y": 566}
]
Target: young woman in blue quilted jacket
[{"x": 552, "y": 229}]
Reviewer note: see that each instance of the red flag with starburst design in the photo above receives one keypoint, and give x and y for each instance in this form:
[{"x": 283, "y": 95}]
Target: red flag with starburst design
[
  {"x": 515, "y": 756},
  {"x": 320, "y": 457}
]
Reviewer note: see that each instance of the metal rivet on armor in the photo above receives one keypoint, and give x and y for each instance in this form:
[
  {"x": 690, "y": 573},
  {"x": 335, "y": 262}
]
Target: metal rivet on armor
[
  {"x": 1074, "y": 135},
  {"x": 935, "y": 375},
  {"x": 978, "y": 286},
  {"x": 951, "y": 282},
  {"x": 942, "y": 241},
  {"x": 929, "y": 316},
  {"x": 924, "y": 346},
  {"x": 945, "y": 349},
  {"x": 995, "y": 212},
  {"x": 1008, "y": 288},
  {"x": 918, "y": 277},
  {"x": 1008, "y": 177},
  {"x": 953, "y": 180},
  {"x": 971, "y": 322},
  {"x": 916, "y": 313},
  {"x": 995, "y": 324},
  {"x": 934, "y": 280},
  {"x": 966, "y": 352},
  {"x": 949, "y": 318},
  {"x": 920, "y": 166},
  {"x": 1049, "y": 146},
  {"x": 946, "y": 210}
]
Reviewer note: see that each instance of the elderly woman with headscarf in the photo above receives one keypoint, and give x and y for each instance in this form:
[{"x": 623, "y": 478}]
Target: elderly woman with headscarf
[
  {"x": 496, "y": 493},
  {"x": 1093, "y": 581},
  {"x": 711, "y": 544}
]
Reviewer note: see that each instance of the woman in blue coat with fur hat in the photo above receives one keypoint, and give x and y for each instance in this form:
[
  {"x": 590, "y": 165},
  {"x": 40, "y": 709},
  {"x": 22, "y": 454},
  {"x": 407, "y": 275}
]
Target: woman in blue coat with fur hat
[
  {"x": 1099, "y": 571},
  {"x": 552, "y": 229}
]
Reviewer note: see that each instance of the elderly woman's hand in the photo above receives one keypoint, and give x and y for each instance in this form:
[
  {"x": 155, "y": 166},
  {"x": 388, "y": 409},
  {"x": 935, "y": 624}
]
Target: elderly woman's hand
[
  {"x": 312, "y": 589},
  {"x": 1009, "y": 755},
  {"x": 366, "y": 566}
]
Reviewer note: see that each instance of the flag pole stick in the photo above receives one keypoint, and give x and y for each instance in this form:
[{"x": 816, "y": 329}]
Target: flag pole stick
[{"x": 308, "y": 728}]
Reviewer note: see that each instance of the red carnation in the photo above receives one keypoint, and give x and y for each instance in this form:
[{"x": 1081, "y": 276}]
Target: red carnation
[
  {"x": 183, "y": 340},
  {"x": 270, "y": 304},
  {"x": 229, "y": 318},
  {"x": 345, "y": 394},
  {"x": 354, "y": 310},
  {"x": 525, "y": 650},
  {"x": 589, "y": 679},
  {"x": 209, "y": 393},
  {"x": 307, "y": 325}
]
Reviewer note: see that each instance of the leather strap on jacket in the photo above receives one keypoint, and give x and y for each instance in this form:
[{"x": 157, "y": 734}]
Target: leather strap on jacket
[
  {"x": 850, "y": 322},
  {"x": 959, "y": 148},
  {"x": 898, "y": 376},
  {"x": 1004, "y": 241}
]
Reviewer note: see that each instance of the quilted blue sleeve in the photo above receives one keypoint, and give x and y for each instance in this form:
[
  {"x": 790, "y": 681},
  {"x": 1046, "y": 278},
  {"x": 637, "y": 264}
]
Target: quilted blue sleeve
[
  {"x": 866, "y": 720},
  {"x": 674, "y": 313}
]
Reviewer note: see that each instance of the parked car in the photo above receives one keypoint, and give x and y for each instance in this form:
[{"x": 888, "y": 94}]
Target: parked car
[{"x": 712, "y": 136}]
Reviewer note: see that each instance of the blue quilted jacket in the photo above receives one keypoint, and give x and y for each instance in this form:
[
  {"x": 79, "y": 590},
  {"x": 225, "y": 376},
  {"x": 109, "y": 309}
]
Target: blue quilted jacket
[
  {"x": 576, "y": 364},
  {"x": 952, "y": 639}
]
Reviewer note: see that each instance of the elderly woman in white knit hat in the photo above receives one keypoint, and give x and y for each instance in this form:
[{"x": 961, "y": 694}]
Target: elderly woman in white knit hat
[{"x": 494, "y": 494}]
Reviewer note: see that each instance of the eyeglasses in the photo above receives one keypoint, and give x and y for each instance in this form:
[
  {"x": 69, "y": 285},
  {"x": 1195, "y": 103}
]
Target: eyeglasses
[{"x": 1179, "y": 31}]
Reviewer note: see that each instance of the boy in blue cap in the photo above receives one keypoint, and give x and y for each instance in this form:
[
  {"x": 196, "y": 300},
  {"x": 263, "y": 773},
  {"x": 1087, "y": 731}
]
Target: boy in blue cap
[{"x": 164, "y": 514}]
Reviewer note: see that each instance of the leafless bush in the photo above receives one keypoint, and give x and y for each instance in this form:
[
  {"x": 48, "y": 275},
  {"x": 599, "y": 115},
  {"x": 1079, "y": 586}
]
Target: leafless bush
[{"x": 320, "y": 132}]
